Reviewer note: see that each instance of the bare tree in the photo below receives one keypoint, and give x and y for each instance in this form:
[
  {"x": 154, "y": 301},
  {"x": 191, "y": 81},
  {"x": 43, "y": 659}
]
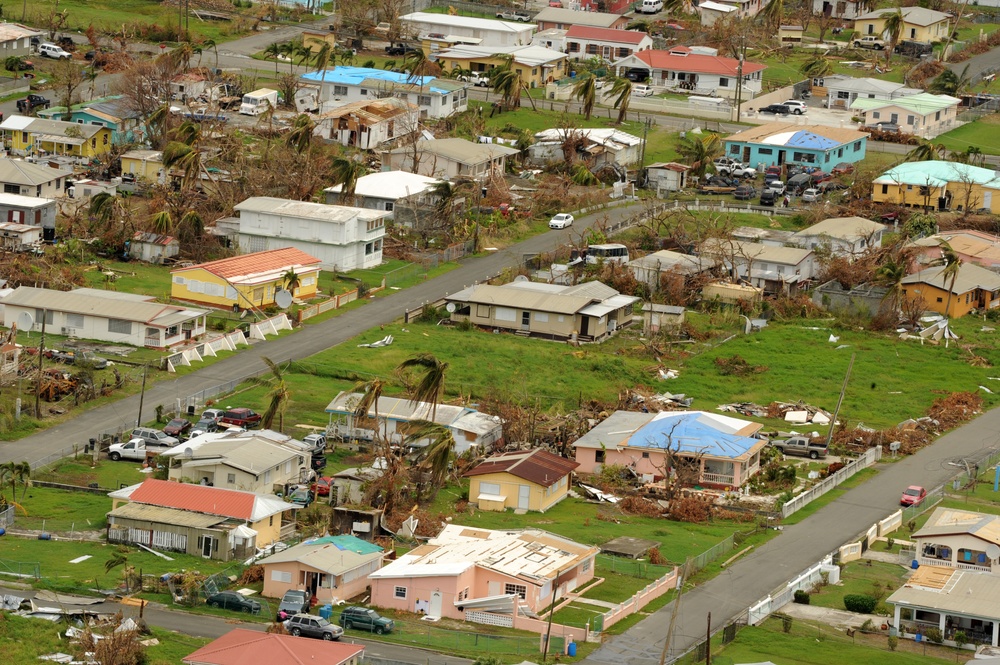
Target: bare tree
[{"x": 68, "y": 76}]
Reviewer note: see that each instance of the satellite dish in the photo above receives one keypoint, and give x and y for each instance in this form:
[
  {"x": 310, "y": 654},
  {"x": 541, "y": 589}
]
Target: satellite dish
[
  {"x": 520, "y": 278},
  {"x": 188, "y": 452},
  {"x": 283, "y": 299},
  {"x": 993, "y": 551},
  {"x": 450, "y": 307},
  {"x": 24, "y": 321}
]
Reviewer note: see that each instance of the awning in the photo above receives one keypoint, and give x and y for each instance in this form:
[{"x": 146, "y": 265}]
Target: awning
[
  {"x": 242, "y": 531},
  {"x": 491, "y": 497},
  {"x": 55, "y": 138}
]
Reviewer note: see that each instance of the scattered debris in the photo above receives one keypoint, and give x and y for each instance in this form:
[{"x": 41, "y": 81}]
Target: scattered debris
[
  {"x": 636, "y": 505},
  {"x": 597, "y": 494},
  {"x": 781, "y": 411},
  {"x": 385, "y": 341},
  {"x": 736, "y": 365},
  {"x": 668, "y": 374}
]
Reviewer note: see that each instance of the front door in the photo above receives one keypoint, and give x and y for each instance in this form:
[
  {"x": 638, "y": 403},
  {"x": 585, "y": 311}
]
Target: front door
[
  {"x": 435, "y": 608},
  {"x": 584, "y": 325},
  {"x": 525, "y": 320},
  {"x": 523, "y": 497},
  {"x": 206, "y": 546},
  {"x": 607, "y": 52},
  {"x": 988, "y": 200},
  {"x": 746, "y": 154}
]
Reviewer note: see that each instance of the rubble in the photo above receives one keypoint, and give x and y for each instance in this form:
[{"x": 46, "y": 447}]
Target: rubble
[{"x": 793, "y": 412}]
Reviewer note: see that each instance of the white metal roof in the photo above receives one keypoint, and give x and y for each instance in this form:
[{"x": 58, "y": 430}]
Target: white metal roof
[
  {"x": 390, "y": 185},
  {"x": 335, "y": 214}
]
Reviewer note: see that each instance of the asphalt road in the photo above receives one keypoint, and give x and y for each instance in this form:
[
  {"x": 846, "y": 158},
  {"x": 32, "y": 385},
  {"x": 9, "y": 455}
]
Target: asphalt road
[
  {"x": 307, "y": 341},
  {"x": 799, "y": 546},
  {"x": 209, "y": 626}
]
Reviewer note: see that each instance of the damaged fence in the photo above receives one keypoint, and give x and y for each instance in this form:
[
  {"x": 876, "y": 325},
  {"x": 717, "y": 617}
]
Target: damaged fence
[{"x": 868, "y": 458}]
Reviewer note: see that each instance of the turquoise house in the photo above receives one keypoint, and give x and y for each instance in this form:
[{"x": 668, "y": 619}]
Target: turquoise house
[
  {"x": 110, "y": 112},
  {"x": 779, "y": 143}
]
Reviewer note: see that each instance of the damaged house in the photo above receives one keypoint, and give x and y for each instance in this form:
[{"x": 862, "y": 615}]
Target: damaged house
[
  {"x": 597, "y": 147},
  {"x": 368, "y": 124}
]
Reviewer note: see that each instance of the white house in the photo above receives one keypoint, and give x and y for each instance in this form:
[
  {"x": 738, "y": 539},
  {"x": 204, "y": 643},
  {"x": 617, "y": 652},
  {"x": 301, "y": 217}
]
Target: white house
[
  {"x": 924, "y": 114},
  {"x": 153, "y": 247},
  {"x": 683, "y": 69},
  {"x": 710, "y": 12},
  {"x": 30, "y": 179},
  {"x": 389, "y": 190},
  {"x": 29, "y": 210},
  {"x": 249, "y": 462},
  {"x": 341, "y": 237},
  {"x": 653, "y": 268},
  {"x": 584, "y": 42},
  {"x": 666, "y": 177},
  {"x": 601, "y": 146},
  {"x": 488, "y": 31},
  {"x": 781, "y": 270},
  {"x": 846, "y": 236},
  {"x": 369, "y": 124},
  {"x": 843, "y": 90},
  {"x": 843, "y": 9},
  {"x": 15, "y": 40},
  {"x": 330, "y": 88},
  {"x": 450, "y": 158},
  {"x": 15, "y": 237},
  {"x": 106, "y": 316}
]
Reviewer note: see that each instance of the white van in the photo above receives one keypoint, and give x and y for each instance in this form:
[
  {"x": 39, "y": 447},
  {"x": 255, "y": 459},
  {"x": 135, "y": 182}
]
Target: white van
[
  {"x": 53, "y": 51},
  {"x": 650, "y": 7},
  {"x": 640, "y": 90},
  {"x": 258, "y": 101}
]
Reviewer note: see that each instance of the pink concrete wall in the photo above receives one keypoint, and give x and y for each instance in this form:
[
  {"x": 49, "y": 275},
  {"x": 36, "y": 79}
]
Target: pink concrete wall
[
  {"x": 273, "y": 589},
  {"x": 653, "y": 465},
  {"x": 421, "y": 588}
]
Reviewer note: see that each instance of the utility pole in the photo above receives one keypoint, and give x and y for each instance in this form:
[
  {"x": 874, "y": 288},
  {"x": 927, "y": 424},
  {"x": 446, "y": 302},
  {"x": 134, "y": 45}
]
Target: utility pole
[
  {"x": 674, "y": 612},
  {"x": 142, "y": 395},
  {"x": 739, "y": 76},
  {"x": 41, "y": 359},
  {"x": 840, "y": 400},
  {"x": 708, "y": 641},
  {"x": 642, "y": 153}
]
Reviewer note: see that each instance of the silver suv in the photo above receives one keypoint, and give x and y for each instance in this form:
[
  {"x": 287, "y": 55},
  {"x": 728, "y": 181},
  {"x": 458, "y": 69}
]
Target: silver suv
[
  {"x": 313, "y": 626},
  {"x": 154, "y": 437}
]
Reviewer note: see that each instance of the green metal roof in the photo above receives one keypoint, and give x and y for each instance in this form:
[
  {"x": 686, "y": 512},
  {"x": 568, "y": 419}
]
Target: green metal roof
[
  {"x": 922, "y": 103},
  {"x": 348, "y": 543}
]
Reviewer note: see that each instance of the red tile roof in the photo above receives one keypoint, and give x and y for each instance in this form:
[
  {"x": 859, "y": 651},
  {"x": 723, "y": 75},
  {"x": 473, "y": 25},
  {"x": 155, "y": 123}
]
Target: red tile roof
[
  {"x": 243, "y": 647},
  {"x": 537, "y": 466},
  {"x": 695, "y": 63},
  {"x": 258, "y": 262},
  {"x": 606, "y": 34},
  {"x": 196, "y": 498}
]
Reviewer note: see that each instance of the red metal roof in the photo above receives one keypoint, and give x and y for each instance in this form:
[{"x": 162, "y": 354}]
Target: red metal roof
[
  {"x": 244, "y": 647},
  {"x": 695, "y": 63},
  {"x": 537, "y": 466},
  {"x": 606, "y": 34},
  {"x": 196, "y": 498},
  {"x": 258, "y": 262}
]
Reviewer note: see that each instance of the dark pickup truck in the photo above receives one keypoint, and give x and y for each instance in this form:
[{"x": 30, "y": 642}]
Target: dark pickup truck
[
  {"x": 32, "y": 102},
  {"x": 400, "y": 49},
  {"x": 800, "y": 445}
]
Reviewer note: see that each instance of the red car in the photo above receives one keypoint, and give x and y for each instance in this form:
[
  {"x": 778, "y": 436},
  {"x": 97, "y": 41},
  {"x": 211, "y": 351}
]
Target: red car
[
  {"x": 241, "y": 418},
  {"x": 913, "y": 495},
  {"x": 322, "y": 486},
  {"x": 177, "y": 426},
  {"x": 843, "y": 168}
]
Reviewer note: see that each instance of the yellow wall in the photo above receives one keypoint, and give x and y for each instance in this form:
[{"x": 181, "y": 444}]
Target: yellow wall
[
  {"x": 261, "y": 295},
  {"x": 965, "y": 195},
  {"x": 98, "y": 144},
  {"x": 921, "y": 33},
  {"x": 540, "y": 498},
  {"x": 268, "y": 530},
  {"x": 315, "y": 40},
  {"x": 533, "y": 77},
  {"x": 142, "y": 168}
]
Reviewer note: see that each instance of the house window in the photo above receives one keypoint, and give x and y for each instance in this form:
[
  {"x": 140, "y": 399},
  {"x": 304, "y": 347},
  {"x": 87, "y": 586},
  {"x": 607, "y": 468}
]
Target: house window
[
  {"x": 940, "y": 299},
  {"x": 423, "y": 100},
  {"x": 874, "y": 115},
  {"x": 910, "y": 119},
  {"x": 592, "y": 48},
  {"x": 119, "y": 326},
  {"x": 489, "y": 488},
  {"x": 24, "y": 137},
  {"x": 270, "y": 520},
  {"x": 518, "y": 589},
  {"x": 339, "y": 90},
  {"x": 843, "y": 94},
  {"x": 645, "y": 455},
  {"x": 399, "y": 592},
  {"x": 47, "y": 313},
  {"x": 231, "y": 478},
  {"x": 267, "y": 476},
  {"x": 574, "y": 47},
  {"x": 624, "y": 52},
  {"x": 374, "y": 224},
  {"x": 586, "y": 566},
  {"x": 937, "y": 116},
  {"x": 369, "y": 248},
  {"x": 765, "y": 151},
  {"x": 723, "y": 83},
  {"x": 600, "y": 456},
  {"x": 857, "y": 146},
  {"x": 734, "y": 149},
  {"x": 885, "y": 189},
  {"x": 74, "y": 320},
  {"x": 11, "y": 189}
]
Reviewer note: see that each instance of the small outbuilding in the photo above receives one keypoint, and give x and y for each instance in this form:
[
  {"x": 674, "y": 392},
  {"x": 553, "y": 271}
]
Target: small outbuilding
[
  {"x": 153, "y": 247},
  {"x": 524, "y": 480}
]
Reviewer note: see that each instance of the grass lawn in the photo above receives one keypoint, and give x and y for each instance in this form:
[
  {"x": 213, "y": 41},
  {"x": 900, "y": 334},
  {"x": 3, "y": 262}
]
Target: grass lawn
[
  {"x": 132, "y": 277},
  {"x": 809, "y": 644},
  {"x": 860, "y": 477},
  {"x": 783, "y": 69},
  {"x": 63, "y": 511},
  {"x": 858, "y": 577},
  {"x": 105, "y": 473},
  {"x": 983, "y": 134},
  {"x": 23, "y": 640}
]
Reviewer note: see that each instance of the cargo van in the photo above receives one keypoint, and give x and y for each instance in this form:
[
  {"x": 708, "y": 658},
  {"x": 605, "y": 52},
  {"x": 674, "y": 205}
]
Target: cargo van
[
  {"x": 650, "y": 7},
  {"x": 259, "y": 101}
]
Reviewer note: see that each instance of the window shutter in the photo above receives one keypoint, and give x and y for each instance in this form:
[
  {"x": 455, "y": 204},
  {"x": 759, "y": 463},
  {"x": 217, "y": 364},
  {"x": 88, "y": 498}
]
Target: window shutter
[{"x": 215, "y": 544}]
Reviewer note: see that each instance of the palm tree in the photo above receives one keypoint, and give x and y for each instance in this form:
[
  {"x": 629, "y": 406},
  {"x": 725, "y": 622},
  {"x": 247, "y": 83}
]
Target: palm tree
[
  {"x": 289, "y": 50},
  {"x": 291, "y": 280},
  {"x": 273, "y": 51},
  {"x": 772, "y": 14},
  {"x": 621, "y": 90},
  {"x": 210, "y": 43},
  {"x": 300, "y": 137},
  {"x": 371, "y": 393},
  {"x": 431, "y": 385},
  {"x": 700, "y": 151},
  {"x": 323, "y": 56},
  {"x": 346, "y": 172},
  {"x": 927, "y": 151},
  {"x": 816, "y": 67},
  {"x": 180, "y": 57},
  {"x": 892, "y": 27},
  {"x": 194, "y": 222},
  {"x": 506, "y": 81},
  {"x": 891, "y": 274},
  {"x": 186, "y": 158},
  {"x": 23, "y": 472},
  {"x": 458, "y": 71},
  {"x": 277, "y": 397},
  {"x": 952, "y": 266},
  {"x": 950, "y": 83},
  {"x": 104, "y": 207},
  {"x": 437, "y": 455},
  {"x": 972, "y": 155},
  {"x": 162, "y": 222},
  {"x": 585, "y": 91}
]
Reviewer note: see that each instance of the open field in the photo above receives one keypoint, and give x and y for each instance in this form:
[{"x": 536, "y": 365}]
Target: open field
[{"x": 982, "y": 134}]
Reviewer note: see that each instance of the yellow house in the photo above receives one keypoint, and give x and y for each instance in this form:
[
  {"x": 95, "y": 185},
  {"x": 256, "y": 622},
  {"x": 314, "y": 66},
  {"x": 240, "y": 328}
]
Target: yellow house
[
  {"x": 143, "y": 165},
  {"x": 532, "y": 480},
  {"x": 919, "y": 24},
  {"x": 248, "y": 281},
  {"x": 973, "y": 288},
  {"x": 200, "y": 520},
  {"x": 939, "y": 185},
  {"x": 536, "y": 64},
  {"x": 39, "y": 136}
]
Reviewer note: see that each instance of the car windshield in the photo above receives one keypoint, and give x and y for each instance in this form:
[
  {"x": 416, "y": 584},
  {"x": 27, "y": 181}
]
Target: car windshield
[{"x": 912, "y": 491}]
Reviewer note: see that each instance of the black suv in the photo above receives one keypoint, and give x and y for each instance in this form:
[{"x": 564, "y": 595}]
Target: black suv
[
  {"x": 400, "y": 49},
  {"x": 363, "y": 618},
  {"x": 776, "y": 109},
  {"x": 313, "y": 626},
  {"x": 913, "y": 49}
]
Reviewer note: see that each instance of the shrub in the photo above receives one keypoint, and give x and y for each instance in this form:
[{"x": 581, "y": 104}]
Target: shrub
[
  {"x": 801, "y": 597},
  {"x": 786, "y": 622},
  {"x": 889, "y": 542},
  {"x": 860, "y": 603},
  {"x": 868, "y": 626},
  {"x": 960, "y": 638},
  {"x": 893, "y": 642},
  {"x": 933, "y": 635}
]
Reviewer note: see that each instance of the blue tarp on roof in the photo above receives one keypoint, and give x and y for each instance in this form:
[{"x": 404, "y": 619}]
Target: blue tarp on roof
[
  {"x": 693, "y": 433},
  {"x": 358, "y": 75},
  {"x": 347, "y": 543},
  {"x": 804, "y": 139}
]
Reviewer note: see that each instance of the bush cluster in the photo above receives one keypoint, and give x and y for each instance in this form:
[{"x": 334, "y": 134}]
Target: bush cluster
[{"x": 860, "y": 603}]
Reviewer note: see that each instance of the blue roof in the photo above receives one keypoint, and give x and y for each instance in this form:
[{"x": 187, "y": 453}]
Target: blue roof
[
  {"x": 357, "y": 76},
  {"x": 806, "y": 139},
  {"x": 347, "y": 543},
  {"x": 693, "y": 432}
]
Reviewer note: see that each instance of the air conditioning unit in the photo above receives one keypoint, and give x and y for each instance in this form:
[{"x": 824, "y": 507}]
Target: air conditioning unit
[{"x": 65, "y": 331}]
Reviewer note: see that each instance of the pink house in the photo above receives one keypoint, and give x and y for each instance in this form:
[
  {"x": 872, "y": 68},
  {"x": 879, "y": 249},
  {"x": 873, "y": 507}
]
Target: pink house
[
  {"x": 725, "y": 449},
  {"x": 331, "y": 568},
  {"x": 982, "y": 249},
  {"x": 466, "y": 569}
]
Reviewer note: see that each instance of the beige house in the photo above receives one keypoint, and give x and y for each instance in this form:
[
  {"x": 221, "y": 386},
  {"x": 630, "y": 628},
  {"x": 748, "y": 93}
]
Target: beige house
[
  {"x": 250, "y": 463},
  {"x": 919, "y": 24},
  {"x": 144, "y": 165},
  {"x": 843, "y": 236},
  {"x": 210, "y": 522},
  {"x": 923, "y": 114},
  {"x": 331, "y": 568},
  {"x": 30, "y": 179},
  {"x": 588, "y": 312},
  {"x": 450, "y": 158},
  {"x": 532, "y": 480},
  {"x": 781, "y": 270},
  {"x": 657, "y": 317},
  {"x": 959, "y": 539}
]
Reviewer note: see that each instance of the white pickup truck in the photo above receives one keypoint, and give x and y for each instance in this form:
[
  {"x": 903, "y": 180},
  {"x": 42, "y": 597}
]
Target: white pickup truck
[
  {"x": 134, "y": 449},
  {"x": 476, "y": 79},
  {"x": 734, "y": 169},
  {"x": 512, "y": 15}
]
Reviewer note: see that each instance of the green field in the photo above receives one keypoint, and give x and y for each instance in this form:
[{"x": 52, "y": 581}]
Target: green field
[{"x": 982, "y": 134}]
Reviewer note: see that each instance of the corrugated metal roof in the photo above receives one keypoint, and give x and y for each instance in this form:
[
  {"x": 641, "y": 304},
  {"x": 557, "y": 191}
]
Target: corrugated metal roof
[
  {"x": 12, "y": 31},
  {"x": 209, "y": 500},
  {"x": 487, "y": 24},
  {"x": 252, "y": 455},
  {"x": 392, "y": 408},
  {"x": 243, "y": 647},
  {"x": 605, "y": 307},
  {"x": 786, "y": 130},
  {"x": 61, "y": 129},
  {"x": 172, "y": 516},
  {"x": 372, "y": 111},
  {"x": 935, "y": 173},
  {"x": 913, "y": 15},
  {"x": 666, "y": 259},
  {"x": 153, "y": 238},
  {"x": 675, "y": 60},
  {"x": 530, "y": 56},
  {"x": 329, "y": 555},
  {"x": 922, "y": 103},
  {"x": 968, "y": 593},
  {"x": 537, "y": 466},
  {"x": 91, "y": 304},
  {"x": 951, "y": 521},
  {"x": 248, "y": 265},
  {"x": 574, "y": 17},
  {"x": 970, "y": 277},
  {"x": 487, "y": 294},
  {"x": 606, "y": 34},
  {"x": 842, "y": 228},
  {"x": 21, "y": 172},
  {"x": 334, "y": 214},
  {"x": 460, "y": 150},
  {"x": 790, "y": 256}
]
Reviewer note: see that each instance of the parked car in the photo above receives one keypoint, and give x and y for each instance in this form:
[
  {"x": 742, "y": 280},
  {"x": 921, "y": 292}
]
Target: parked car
[
  {"x": 512, "y": 15},
  {"x": 870, "y": 41},
  {"x": 830, "y": 186},
  {"x": 20, "y": 65},
  {"x": 363, "y": 618},
  {"x": 241, "y": 418},
  {"x": 476, "y": 79},
  {"x": 561, "y": 221},
  {"x": 322, "y": 486},
  {"x": 745, "y": 192},
  {"x": 912, "y": 48},
  {"x": 811, "y": 195},
  {"x": 230, "y": 600},
  {"x": 32, "y": 102},
  {"x": 177, "y": 427},
  {"x": 885, "y": 126},
  {"x": 776, "y": 186},
  {"x": 316, "y": 442},
  {"x": 54, "y": 52},
  {"x": 842, "y": 168},
  {"x": 642, "y": 91},
  {"x": 203, "y": 426},
  {"x": 913, "y": 495},
  {"x": 796, "y": 107},
  {"x": 801, "y": 445},
  {"x": 768, "y": 197},
  {"x": 400, "y": 49},
  {"x": 214, "y": 414},
  {"x": 735, "y": 170},
  {"x": 776, "y": 109},
  {"x": 300, "y": 496},
  {"x": 797, "y": 183},
  {"x": 637, "y": 75},
  {"x": 154, "y": 436},
  {"x": 295, "y": 601},
  {"x": 307, "y": 625},
  {"x": 816, "y": 177}
]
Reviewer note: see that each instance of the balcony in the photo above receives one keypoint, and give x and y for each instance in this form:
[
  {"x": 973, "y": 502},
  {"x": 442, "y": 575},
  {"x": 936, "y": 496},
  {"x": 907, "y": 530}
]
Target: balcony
[
  {"x": 719, "y": 479},
  {"x": 153, "y": 341},
  {"x": 948, "y": 563}
]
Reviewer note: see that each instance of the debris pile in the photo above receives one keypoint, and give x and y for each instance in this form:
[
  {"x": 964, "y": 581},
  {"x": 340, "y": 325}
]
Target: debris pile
[
  {"x": 736, "y": 365},
  {"x": 912, "y": 438},
  {"x": 428, "y": 526},
  {"x": 636, "y": 505},
  {"x": 955, "y": 409},
  {"x": 648, "y": 401},
  {"x": 793, "y": 412}
]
